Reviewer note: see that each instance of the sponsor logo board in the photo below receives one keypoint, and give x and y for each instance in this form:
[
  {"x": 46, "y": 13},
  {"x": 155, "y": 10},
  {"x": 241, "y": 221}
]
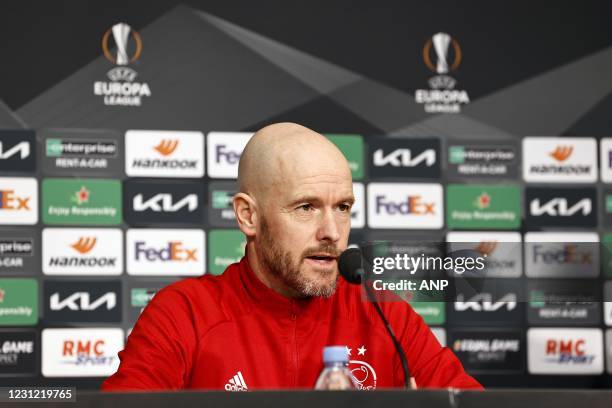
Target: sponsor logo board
[
  {"x": 405, "y": 158},
  {"x": 19, "y": 250},
  {"x": 561, "y": 207},
  {"x": 487, "y": 351},
  {"x": 18, "y": 353},
  {"x": 487, "y": 302},
  {"x": 561, "y": 255},
  {"x": 564, "y": 302},
  {"x": 502, "y": 252},
  {"x": 483, "y": 206},
  {"x": 559, "y": 160},
  {"x": 405, "y": 206},
  {"x": 488, "y": 160},
  {"x": 81, "y": 201},
  {"x": 18, "y": 302},
  {"x": 18, "y": 201},
  {"x": 82, "y": 251},
  {"x": 352, "y": 148},
  {"x": 17, "y": 151},
  {"x": 165, "y": 252},
  {"x": 164, "y": 153},
  {"x": 82, "y": 301},
  {"x": 226, "y": 247},
  {"x": 83, "y": 352},
  {"x": 163, "y": 202},
  {"x": 86, "y": 151},
  {"x": 224, "y": 150},
  {"x": 565, "y": 351}
]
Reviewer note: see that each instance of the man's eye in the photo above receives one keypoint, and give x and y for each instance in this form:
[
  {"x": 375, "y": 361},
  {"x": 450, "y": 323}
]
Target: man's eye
[
  {"x": 344, "y": 207},
  {"x": 305, "y": 207}
]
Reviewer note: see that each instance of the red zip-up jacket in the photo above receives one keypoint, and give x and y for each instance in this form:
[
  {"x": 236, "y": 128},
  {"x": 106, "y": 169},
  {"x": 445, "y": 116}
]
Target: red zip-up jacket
[{"x": 231, "y": 332}]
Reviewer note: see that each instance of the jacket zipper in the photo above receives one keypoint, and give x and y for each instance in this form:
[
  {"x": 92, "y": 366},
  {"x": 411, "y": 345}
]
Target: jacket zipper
[{"x": 295, "y": 347}]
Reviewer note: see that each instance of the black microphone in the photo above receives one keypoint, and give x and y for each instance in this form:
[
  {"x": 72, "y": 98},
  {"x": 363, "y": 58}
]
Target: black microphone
[{"x": 351, "y": 269}]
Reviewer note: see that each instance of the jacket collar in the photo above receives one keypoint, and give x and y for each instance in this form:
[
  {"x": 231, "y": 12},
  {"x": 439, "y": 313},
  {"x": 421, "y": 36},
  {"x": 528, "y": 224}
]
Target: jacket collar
[{"x": 264, "y": 297}]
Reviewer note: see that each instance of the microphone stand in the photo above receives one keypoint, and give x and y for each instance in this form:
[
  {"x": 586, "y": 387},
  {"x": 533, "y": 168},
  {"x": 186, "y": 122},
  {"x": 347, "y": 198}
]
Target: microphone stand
[{"x": 398, "y": 347}]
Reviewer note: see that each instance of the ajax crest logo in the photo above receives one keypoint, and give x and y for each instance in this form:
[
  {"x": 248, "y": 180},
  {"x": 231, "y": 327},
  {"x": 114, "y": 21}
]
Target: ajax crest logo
[{"x": 363, "y": 373}]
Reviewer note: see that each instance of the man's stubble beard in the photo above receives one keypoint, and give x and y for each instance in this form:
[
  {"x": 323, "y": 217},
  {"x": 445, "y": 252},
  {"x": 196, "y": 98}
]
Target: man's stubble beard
[{"x": 281, "y": 266}]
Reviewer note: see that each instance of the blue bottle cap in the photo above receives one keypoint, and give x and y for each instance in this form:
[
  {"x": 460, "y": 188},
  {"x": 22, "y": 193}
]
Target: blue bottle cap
[{"x": 335, "y": 354}]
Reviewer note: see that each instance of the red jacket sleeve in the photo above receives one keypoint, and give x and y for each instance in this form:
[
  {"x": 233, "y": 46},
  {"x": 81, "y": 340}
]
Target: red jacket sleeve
[
  {"x": 431, "y": 365},
  {"x": 160, "y": 348}
]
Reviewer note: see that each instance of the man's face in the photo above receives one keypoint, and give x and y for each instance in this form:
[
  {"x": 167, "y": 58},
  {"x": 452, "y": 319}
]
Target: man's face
[{"x": 304, "y": 227}]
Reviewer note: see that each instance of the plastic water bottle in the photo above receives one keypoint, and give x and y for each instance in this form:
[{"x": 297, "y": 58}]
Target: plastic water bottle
[{"x": 335, "y": 375}]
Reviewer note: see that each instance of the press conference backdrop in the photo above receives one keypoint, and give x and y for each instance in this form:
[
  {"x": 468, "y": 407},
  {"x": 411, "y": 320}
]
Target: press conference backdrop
[{"x": 122, "y": 127}]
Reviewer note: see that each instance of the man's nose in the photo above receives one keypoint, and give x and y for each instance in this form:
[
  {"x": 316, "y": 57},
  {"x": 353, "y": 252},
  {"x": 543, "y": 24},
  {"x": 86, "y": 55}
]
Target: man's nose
[{"x": 328, "y": 227}]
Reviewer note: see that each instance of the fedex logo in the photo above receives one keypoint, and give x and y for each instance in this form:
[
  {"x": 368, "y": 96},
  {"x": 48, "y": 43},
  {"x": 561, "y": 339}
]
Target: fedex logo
[
  {"x": 223, "y": 153},
  {"x": 412, "y": 205},
  {"x": 405, "y": 205},
  {"x": 10, "y": 201},
  {"x": 18, "y": 200},
  {"x": 174, "y": 251},
  {"x": 165, "y": 252}
]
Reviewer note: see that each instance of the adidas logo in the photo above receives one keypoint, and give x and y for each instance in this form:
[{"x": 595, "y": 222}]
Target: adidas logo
[{"x": 236, "y": 383}]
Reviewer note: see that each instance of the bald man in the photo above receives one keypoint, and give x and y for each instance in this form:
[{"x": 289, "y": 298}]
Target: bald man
[{"x": 263, "y": 323}]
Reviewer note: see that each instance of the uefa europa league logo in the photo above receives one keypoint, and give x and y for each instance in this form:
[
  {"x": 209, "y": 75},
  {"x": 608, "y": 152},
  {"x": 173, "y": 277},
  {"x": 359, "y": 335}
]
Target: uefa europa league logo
[
  {"x": 441, "y": 43},
  {"x": 121, "y": 35}
]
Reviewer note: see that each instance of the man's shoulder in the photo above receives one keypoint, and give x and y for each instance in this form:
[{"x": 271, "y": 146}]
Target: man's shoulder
[{"x": 206, "y": 296}]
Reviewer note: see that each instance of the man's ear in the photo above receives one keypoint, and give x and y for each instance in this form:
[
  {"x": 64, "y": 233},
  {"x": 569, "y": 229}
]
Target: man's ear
[{"x": 246, "y": 213}]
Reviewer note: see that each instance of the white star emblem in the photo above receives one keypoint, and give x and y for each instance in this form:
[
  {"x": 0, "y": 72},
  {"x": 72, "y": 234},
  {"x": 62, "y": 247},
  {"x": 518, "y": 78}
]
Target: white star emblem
[
  {"x": 361, "y": 351},
  {"x": 348, "y": 350}
]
